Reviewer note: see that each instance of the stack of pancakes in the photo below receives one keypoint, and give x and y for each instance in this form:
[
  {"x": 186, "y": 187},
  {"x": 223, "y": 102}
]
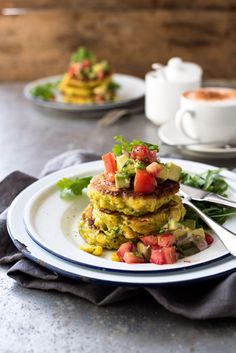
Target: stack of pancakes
[
  {"x": 78, "y": 91},
  {"x": 87, "y": 80},
  {"x": 115, "y": 216}
]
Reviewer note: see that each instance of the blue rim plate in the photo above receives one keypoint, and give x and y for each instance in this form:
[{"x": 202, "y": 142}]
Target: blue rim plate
[
  {"x": 52, "y": 224},
  {"x": 46, "y": 259}
]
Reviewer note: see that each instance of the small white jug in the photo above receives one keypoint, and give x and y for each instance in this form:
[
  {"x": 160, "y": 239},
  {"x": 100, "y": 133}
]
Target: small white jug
[{"x": 165, "y": 85}]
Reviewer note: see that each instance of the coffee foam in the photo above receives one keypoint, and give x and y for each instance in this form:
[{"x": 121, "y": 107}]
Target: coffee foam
[{"x": 209, "y": 95}]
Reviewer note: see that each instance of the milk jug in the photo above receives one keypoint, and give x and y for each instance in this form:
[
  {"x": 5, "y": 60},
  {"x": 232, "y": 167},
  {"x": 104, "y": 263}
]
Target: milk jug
[{"x": 165, "y": 85}]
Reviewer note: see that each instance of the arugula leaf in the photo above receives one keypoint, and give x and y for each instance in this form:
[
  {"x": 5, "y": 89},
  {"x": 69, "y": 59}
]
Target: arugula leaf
[
  {"x": 124, "y": 145},
  {"x": 113, "y": 86},
  {"x": 219, "y": 213},
  {"x": 213, "y": 182},
  {"x": 45, "y": 91},
  {"x": 149, "y": 145},
  {"x": 209, "y": 181},
  {"x": 70, "y": 188},
  {"x": 81, "y": 54}
]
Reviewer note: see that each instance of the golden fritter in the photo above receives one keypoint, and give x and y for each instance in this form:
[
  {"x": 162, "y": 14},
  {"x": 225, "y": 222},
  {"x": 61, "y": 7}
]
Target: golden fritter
[
  {"x": 110, "y": 230},
  {"x": 106, "y": 196}
]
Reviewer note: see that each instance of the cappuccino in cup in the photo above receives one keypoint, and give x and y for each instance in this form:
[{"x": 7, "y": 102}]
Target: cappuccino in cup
[
  {"x": 211, "y": 94},
  {"x": 208, "y": 115}
]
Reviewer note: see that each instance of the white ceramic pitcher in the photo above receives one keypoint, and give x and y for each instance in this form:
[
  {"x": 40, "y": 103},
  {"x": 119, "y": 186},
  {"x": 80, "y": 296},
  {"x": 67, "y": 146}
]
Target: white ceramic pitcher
[{"x": 165, "y": 85}]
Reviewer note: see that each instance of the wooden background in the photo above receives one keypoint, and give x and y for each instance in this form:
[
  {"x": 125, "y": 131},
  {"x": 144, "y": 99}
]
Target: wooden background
[{"x": 38, "y": 39}]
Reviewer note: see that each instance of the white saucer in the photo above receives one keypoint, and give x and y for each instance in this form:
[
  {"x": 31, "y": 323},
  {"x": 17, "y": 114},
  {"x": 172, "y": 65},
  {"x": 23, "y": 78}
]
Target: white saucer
[{"x": 172, "y": 137}]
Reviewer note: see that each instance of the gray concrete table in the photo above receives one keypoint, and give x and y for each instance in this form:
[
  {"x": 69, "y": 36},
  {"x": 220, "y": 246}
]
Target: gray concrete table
[{"x": 35, "y": 321}]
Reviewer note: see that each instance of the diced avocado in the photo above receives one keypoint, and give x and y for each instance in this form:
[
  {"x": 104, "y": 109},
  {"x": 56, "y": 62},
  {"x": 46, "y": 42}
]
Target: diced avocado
[
  {"x": 199, "y": 232},
  {"x": 98, "y": 67},
  {"x": 172, "y": 224},
  {"x": 122, "y": 181},
  {"x": 121, "y": 161},
  {"x": 144, "y": 250},
  {"x": 174, "y": 171},
  {"x": 91, "y": 75},
  {"x": 189, "y": 251},
  {"x": 190, "y": 223},
  {"x": 180, "y": 233},
  {"x": 101, "y": 66},
  {"x": 129, "y": 167},
  {"x": 163, "y": 174}
]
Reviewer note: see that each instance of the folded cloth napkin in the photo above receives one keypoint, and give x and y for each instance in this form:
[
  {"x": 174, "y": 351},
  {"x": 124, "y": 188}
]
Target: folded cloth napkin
[{"x": 204, "y": 300}]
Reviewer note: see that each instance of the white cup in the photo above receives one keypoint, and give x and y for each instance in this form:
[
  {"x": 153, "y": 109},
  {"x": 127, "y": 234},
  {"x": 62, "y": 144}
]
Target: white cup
[{"x": 208, "y": 115}]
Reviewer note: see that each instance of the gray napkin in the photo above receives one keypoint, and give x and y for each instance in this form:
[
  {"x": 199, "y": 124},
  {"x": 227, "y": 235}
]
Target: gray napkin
[{"x": 204, "y": 300}]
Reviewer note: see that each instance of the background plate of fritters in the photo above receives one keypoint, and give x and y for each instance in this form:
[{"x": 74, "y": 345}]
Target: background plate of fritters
[
  {"x": 53, "y": 223},
  {"x": 131, "y": 90}
]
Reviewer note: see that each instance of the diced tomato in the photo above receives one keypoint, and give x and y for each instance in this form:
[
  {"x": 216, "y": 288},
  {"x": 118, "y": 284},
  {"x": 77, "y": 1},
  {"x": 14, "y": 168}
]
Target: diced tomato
[
  {"x": 100, "y": 75},
  {"x": 170, "y": 255},
  {"x": 85, "y": 64},
  {"x": 109, "y": 162},
  {"x": 156, "y": 247},
  {"x": 166, "y": 240},
  {"x": 142, "y": 153},
  {"x": 149, "y": 240},
  {"x": 209, "y": 239},
  {"x": 163, "y": 256},
  {"x": 73, "y": 69},
  {"x": 157, "y": 257},
  {"x": 144, "y": 182},
  {"x": 154, "y": 169},
  {"x": 131, "y": 258},
  {"x": 125, "y": 247}
]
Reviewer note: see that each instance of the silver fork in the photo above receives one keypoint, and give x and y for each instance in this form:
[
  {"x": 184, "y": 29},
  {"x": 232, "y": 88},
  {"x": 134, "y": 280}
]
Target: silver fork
[
  {"x": 114, "y": 115},
  {"x": 227, "y": 237}
]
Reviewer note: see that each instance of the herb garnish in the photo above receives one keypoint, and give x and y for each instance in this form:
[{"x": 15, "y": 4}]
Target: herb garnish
[
  {"x": 210, "y": 181},
  {"x": 45, "y": 91},
  {"x": 113, "y": 86},
  {"x": 70, "y": 188},
  {"x": 125, "y": 146},
  {"x": 82, "y": 54}
]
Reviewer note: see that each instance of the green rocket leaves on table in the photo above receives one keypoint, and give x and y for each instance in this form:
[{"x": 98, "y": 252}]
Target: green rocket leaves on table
[
  {"x": 70, "y": 188},
  {"x": 210, "y": 181}
]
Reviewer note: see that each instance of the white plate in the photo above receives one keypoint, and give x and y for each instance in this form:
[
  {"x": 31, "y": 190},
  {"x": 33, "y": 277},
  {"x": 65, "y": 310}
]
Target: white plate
[
  {"x": 170, "y": 136},
  {"x": 53, "y": 223},
  {"x": 44, "y": 258},
  {"x": 132, "y": 88}
]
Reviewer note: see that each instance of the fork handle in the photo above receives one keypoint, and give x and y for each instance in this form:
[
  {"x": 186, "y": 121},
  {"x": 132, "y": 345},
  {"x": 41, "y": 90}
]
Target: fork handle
[
  {"x": 220, "y": 200},
  {"x": 227, "y": 237}
]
